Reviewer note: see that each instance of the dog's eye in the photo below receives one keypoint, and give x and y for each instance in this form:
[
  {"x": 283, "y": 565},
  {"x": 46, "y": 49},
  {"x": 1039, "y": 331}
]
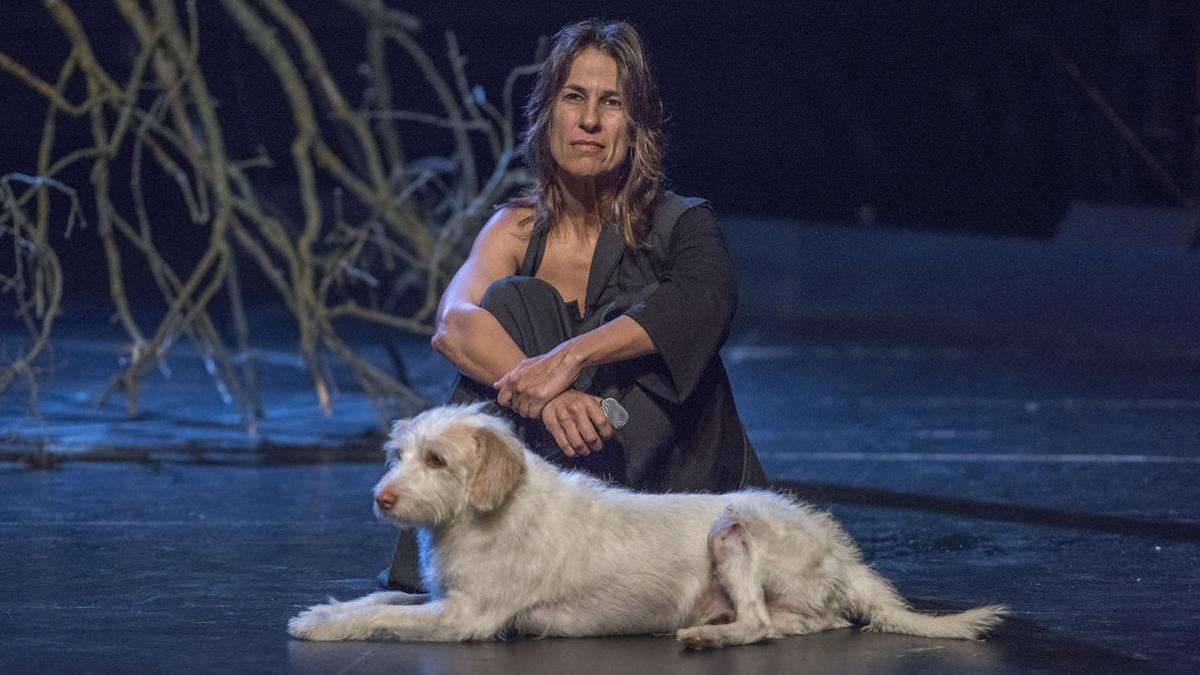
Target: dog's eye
[{"x": 435, "y": 461}]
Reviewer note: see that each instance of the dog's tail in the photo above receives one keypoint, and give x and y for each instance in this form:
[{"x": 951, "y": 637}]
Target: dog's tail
[{"x": 874, "y": 600}]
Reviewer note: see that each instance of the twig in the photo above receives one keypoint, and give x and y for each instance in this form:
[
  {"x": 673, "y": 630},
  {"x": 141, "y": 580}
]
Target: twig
[{"x": 400, "y": 225}]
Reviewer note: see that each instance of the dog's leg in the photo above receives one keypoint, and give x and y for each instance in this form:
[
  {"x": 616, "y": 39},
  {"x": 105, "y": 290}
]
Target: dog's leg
[
  {"x": 735, "y": 560},
  {"x": 377, "y": 598},
  {"x": 437, "y": 621}
]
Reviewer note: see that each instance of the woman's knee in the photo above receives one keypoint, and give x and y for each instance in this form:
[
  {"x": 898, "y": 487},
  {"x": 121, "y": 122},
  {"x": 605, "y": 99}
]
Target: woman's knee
[
  {"x": 531, "y": 311},
  {"x": 507, "y": 293}
]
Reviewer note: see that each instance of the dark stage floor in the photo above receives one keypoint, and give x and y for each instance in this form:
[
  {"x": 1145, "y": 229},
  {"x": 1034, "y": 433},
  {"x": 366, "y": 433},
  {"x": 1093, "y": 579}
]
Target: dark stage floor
[{"x": 1060, "y": 482}]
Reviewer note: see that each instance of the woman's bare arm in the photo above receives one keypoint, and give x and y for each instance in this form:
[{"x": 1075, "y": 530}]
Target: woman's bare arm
[
  {"x": 468, "y": 335},
  {"x": 535, "y": 381},
  {"x": 617, "y": 340}
]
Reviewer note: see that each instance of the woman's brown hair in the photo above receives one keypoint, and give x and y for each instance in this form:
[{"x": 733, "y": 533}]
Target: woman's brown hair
[{"x": 630, "y": 205}]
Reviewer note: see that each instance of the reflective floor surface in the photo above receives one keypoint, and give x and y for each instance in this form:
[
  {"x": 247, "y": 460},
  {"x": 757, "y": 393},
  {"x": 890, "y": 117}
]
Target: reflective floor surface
[{"x": 1058, "y": 481}]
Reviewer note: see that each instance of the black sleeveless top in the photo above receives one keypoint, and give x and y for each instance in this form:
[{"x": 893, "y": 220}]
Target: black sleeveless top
[
  {"x": 534, "y": 254},
  {"x": 682, "y": 291}
]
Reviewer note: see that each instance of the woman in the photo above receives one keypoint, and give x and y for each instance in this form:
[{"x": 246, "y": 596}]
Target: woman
[{"x": 596, "y": 283}]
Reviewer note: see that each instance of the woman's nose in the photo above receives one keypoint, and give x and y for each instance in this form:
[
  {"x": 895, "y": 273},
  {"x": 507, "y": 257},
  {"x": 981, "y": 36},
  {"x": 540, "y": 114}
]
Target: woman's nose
[{"x": 590, "y": 119}]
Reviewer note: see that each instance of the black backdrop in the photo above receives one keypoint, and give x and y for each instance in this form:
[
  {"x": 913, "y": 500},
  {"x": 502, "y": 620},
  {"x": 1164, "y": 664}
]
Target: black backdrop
[{"x": 949, "y": 115}]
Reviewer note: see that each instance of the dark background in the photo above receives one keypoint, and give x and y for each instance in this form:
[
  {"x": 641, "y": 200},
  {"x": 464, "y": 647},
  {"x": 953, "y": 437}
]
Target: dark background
[
  {"x": 996, "y": 418},
  {"x": 955, "y": 116}
]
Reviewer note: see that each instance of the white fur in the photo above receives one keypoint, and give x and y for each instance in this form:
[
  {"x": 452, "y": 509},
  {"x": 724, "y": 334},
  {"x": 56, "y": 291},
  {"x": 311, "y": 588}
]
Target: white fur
[{"x": 510, "y": 543}]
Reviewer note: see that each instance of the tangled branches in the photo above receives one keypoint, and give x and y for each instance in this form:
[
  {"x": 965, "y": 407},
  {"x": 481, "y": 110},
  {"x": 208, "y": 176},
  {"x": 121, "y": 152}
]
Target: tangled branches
[{"x": 372, "y": 226}]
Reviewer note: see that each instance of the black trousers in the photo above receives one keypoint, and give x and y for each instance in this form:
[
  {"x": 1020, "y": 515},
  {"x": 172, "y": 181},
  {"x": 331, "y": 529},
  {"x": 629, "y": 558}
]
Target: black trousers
[{"x": 537, "y": 319}]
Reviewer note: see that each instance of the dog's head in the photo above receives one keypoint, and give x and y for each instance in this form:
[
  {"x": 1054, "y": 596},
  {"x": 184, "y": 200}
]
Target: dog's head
[{"x": 447, "y": 461}]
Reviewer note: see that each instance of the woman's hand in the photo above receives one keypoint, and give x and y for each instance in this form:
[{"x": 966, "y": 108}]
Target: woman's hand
[
  {"x": 532, "y": 383},
  {"x": 577, "y": 422}
]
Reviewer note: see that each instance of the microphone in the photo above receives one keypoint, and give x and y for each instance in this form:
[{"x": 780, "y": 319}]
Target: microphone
[{"x": 616, "y": 413}]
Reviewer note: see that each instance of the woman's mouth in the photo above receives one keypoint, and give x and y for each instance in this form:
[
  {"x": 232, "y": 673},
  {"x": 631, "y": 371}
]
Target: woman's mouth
[{"x": 587, "y": 146}]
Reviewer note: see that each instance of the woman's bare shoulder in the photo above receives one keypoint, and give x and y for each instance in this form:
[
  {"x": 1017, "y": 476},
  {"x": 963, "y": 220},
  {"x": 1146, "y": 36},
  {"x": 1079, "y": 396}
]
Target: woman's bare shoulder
[
  {"x": 512, "y": 220},
  {"x": 505, "y": 236}
]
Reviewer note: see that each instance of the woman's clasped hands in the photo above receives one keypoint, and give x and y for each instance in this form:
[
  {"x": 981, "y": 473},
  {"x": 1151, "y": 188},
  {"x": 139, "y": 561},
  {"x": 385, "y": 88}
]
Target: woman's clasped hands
[{"x": 540, "y": 387}]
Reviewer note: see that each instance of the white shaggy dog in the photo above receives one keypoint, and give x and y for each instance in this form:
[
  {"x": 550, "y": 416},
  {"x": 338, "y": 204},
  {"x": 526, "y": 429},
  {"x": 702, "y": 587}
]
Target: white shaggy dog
[{"x": 511, "y": 544}]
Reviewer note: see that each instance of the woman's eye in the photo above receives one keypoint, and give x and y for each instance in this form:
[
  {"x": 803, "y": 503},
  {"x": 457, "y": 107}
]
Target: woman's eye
[{"x": 612, "y": 102}]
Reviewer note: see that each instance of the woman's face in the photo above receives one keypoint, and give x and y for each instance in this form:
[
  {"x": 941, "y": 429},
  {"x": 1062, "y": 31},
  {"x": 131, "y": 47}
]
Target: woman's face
[{"x": 589, "y": 134}]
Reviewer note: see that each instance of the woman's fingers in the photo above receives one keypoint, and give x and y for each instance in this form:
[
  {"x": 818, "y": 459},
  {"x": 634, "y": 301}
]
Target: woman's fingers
[
  {"x": 599, "y": 420},
  {"x": 590, "y": 421},
  {"x": 533, "y": 382},
  {"x": 531, "y": 407},
  {"x": 583, "y": 422},
  {"x": 505, "y": 391},
  {"x": 559, "y": 434},
  {"x": 525, "y": 403},
  {"x": 572, "y": 431},
  {"x": 575, "y": 420}
]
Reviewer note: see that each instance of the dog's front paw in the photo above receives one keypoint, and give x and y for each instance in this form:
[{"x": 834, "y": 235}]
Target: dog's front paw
[{"x": 319, "y": 622}]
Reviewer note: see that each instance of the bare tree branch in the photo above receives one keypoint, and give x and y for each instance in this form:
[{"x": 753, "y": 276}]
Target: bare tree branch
[{"x": 400, "y": 224}]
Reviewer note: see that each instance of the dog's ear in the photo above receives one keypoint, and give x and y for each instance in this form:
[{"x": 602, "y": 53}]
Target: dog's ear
[{"x": 498, "y": 466}]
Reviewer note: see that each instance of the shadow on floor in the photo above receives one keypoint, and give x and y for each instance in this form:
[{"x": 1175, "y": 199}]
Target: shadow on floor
[{"x": 827, "y": 493}]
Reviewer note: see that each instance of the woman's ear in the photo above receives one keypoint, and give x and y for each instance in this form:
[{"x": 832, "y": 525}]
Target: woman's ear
[{"x": 499, "y": 463}]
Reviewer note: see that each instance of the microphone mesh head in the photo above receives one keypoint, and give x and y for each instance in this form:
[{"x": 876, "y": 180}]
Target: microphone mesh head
[{"x": 616, "y": 413}]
